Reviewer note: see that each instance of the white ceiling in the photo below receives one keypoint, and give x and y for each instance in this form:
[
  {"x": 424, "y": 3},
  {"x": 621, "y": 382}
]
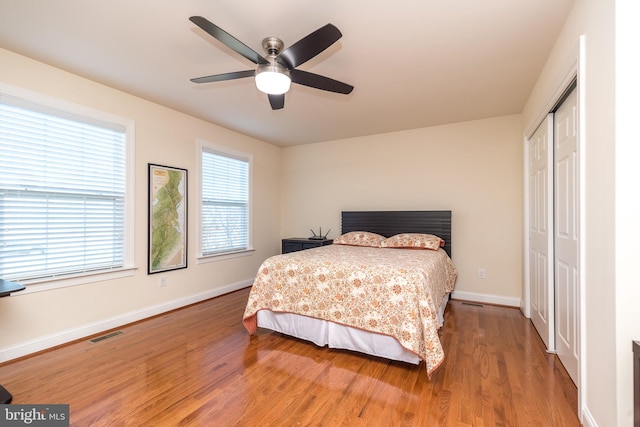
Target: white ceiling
[{"x": 414, "y": 63}]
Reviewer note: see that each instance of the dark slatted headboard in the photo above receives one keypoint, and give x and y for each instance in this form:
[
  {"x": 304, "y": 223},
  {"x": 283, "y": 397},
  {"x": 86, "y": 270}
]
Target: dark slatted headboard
[{"x": 388, "y": 223}]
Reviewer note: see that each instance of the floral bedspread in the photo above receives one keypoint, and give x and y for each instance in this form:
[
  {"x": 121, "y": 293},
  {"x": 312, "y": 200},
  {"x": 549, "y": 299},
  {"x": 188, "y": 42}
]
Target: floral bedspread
[{"x": 394, "y": 292}]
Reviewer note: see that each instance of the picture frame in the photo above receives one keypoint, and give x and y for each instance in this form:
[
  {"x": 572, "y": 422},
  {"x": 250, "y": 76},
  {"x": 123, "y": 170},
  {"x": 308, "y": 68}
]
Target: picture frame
[{"x": 167, "y": 237}]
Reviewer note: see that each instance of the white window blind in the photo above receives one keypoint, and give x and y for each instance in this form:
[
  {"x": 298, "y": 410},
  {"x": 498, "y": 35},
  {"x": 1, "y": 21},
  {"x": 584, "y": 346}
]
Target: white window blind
[
  {"x": 225, "y": 203},
  {"x": 62, "y": 192}
]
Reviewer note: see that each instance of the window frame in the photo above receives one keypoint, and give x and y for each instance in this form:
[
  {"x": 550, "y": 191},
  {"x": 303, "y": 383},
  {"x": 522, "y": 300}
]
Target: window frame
[
  {"x": 205, "y": 146},
  {"x": 78, "y": 110}
]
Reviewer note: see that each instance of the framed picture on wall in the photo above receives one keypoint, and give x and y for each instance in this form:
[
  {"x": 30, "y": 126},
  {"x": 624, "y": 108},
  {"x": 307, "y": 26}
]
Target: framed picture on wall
[{"x": 167, "y": 218}]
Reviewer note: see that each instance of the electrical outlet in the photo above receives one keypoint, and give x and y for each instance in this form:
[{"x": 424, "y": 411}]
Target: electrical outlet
[
  {"x": 162, "y": 281},
  {"x": 482, "y": 273}
]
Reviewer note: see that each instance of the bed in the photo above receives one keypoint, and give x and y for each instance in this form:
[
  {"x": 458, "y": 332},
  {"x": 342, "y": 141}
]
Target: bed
[{"x": 382, "y": 301}]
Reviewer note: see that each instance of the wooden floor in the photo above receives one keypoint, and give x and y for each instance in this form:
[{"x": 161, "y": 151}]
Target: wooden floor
[{"x": 198, "y": 367}]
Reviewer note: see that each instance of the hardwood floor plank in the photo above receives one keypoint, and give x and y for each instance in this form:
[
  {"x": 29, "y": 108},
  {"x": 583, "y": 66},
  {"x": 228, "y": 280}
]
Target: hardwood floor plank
[{"x": 198, "y": 366}]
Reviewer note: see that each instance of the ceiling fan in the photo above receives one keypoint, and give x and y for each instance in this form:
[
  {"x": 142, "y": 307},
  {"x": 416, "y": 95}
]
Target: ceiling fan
[{"x": 275, "y": 73}]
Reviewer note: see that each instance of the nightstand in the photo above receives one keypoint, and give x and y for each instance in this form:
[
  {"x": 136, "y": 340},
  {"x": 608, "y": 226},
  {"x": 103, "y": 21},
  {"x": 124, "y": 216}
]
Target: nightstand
[{"x": 294, "y": 244}]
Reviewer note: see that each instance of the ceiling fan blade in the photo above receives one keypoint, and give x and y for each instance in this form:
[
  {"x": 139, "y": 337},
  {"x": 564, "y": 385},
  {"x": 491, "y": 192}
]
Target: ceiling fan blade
[
  {"x": 226, "y": 38},
  {"x": 224, "y": 76},
  {"x": 320, "y": 82},
  {"x": 309, "y": 46},
  {"x": 276, "y": 101}
]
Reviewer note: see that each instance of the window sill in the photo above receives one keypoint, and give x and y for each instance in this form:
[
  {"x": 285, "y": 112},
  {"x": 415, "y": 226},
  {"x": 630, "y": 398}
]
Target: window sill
[
  {"x": 41, "y": 285},
  {"x": 203, "y": 259}
]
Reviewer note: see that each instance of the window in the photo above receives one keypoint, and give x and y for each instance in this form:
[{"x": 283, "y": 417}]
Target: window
[
  {"x": 63, "y": 190},
  {"x": 225, "y": 204}
]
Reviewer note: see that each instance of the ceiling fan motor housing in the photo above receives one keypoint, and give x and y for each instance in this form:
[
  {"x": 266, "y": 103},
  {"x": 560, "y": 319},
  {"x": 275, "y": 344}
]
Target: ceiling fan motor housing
[
  {"x": 273, "y": 78},
  {"x": 273, "y": 45}
]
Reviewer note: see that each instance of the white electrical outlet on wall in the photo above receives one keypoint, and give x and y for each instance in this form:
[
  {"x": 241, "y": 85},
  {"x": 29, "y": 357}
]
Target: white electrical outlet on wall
[{"x": 482, "y": 273}]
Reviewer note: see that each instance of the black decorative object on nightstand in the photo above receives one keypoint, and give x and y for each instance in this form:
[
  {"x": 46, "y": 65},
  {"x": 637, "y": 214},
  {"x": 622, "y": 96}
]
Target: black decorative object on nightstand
[{"x": 294, "y": 244}]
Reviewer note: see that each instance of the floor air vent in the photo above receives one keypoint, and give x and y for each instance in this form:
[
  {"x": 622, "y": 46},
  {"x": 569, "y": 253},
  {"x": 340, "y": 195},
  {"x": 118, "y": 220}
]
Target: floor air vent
[
  {"x": 475, "y": 304},
  {"x": 106, "y": 336}
]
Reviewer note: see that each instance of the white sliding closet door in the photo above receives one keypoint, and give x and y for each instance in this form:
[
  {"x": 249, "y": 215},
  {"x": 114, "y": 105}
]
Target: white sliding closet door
[
  {"x": 554, "y": 232},
  {"x": 540, "y": 231},
  {"x": 566, "y": 234}
]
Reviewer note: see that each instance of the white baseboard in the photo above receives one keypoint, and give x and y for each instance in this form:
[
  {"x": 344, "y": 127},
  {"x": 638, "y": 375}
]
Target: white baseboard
[
  {"x": 63, "y": 337},
  {"x": 587, "y": 419},
  {"x": 486, "y": 298}
]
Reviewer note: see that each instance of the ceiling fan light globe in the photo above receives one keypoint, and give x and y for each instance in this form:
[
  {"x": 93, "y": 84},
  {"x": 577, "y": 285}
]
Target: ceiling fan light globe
[{"x": 273, "y": 80}]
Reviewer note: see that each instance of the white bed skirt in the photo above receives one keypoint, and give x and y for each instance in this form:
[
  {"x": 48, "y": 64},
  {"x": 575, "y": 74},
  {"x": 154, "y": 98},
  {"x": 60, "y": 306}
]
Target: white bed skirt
[{"x": 324, "y": 333}]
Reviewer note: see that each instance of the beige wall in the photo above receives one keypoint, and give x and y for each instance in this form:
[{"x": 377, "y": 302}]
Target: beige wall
[
  {"x": 32, "y": 320},
  {"x": 610, "y": 250},
  {"x": 627, "y": 177},
  {"x": 472, "y": 168}
]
